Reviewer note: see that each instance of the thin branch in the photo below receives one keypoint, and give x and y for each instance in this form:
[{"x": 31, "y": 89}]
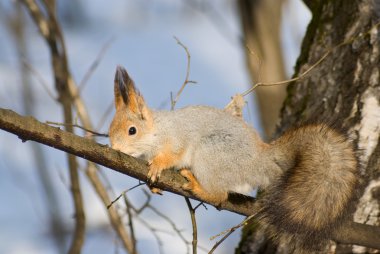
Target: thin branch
[
  {"x": 172, "y": 224},
  {"x": 27, "y": 128},
  {"x": 260, "y": 63},
  {"x": 187, "y": 81},
  {"x": 221, "y": 240},
  {"x": 289, "y": 80},
  {"x": 326, "y": 54},
  {"x": 106, "y": 113},
  {"x": 80, "y": 127},
  {"x": 147, "y": 205},
  {"x": 194, "y": 224},
  {"x": 130, "y": 223},
  {"x": 40, "y": 79},
  {"x": 124, "y": 193},
  {"x": 217, "y": 20},
  {"x": 95, "y": 64},
  {"x": 200, "y": 204},
  {"x": 39, "y": 19},
  {"x": 115, "y": 219},
  {"x": 229, "y": 231},
  {"x": 152, "y": 229},
  {"x": 154, "y": 233}
]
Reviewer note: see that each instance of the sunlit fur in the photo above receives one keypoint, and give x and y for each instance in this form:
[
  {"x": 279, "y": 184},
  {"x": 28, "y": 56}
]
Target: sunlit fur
[
  {"x": 314, "y": 194},
  {"x": 218, "y": 148}
]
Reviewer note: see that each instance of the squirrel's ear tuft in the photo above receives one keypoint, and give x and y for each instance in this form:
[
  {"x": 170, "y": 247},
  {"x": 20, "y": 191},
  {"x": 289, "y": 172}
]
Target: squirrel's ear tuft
[
  {"x": 125, "y": 92},
  {"x": 127, "y": 96},
  {"x": 122, "y": 81},
  {"x": 123, "y": 87}
]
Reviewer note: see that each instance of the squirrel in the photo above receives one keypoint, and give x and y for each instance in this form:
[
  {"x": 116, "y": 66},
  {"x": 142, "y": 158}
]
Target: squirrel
[{"x": 308, "y": 175}]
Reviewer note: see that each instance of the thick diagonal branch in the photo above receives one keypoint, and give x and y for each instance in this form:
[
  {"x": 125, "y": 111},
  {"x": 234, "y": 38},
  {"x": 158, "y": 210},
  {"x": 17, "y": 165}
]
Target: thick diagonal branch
[{"x": 27, "y": 128}]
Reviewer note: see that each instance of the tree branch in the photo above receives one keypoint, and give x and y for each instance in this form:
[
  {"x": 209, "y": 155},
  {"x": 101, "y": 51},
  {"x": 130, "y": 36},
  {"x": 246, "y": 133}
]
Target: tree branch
[
  {"x": 27, "y": 128},
  {"x": 51, "y": 31}
]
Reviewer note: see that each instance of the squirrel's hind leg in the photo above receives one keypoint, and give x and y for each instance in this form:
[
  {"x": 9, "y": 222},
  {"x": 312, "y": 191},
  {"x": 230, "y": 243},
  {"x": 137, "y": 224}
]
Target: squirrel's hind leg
[{"x": 197, "y": 190}]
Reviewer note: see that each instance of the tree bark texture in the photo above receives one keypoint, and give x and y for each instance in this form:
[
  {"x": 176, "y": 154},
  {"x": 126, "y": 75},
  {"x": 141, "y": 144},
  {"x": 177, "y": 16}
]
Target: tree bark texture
[{"x": 343, "y": 90}]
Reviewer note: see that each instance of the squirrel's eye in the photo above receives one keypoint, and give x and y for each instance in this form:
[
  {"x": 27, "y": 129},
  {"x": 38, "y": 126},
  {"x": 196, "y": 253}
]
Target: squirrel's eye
[{"x": 132, "y": 130}]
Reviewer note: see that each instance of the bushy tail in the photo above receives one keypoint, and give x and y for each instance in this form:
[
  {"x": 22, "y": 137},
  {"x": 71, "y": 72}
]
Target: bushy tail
[{"x": 316, "y": 190}]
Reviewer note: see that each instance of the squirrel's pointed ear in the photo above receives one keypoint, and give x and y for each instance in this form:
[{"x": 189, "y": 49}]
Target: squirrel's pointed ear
[
  {"x": 127, "y": 96},
  {"x": 124, "y": 88}
]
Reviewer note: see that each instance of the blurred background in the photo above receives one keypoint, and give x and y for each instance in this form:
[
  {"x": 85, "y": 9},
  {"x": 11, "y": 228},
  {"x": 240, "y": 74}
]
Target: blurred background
[{"x": 224, "y": 39}]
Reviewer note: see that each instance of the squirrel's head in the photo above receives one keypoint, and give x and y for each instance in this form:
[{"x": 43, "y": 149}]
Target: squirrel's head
[{"x": 133, "y": 122}]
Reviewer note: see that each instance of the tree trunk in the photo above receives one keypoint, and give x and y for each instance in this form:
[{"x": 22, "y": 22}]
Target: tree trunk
[
  {"x": 260, "y": 21},
  {"x": 344, "y": 90}
]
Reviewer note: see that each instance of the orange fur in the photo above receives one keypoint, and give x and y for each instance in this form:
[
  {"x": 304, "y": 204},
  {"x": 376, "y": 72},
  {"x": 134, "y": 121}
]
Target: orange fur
[
  {"x": 164, "y": 160},
  {"x": 197, "y": 190}
]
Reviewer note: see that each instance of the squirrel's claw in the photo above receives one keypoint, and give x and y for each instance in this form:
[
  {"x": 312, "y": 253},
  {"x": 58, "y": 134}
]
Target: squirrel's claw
[
  {"x": 156, "y": 190},
  {"x": 154, "y": 173}
]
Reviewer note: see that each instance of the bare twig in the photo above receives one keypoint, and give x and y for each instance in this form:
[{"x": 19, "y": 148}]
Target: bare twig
[
  {"x": 130, "y": 223},
  {"x": 95, "y": 64},
  {"x": 124, "y": 192},
  {"x": 221, "y": 240},
  {"x": 187, "y": 81},
  {"x": 172, "y": 224},
  {"x": 200, "y": 204},
  {"x": 106, "y": 113},
  {"x": 326, "y": 54},
  {"x": 194, "y": 224},
  {"x": 147, "y": 205},
  {"x": 260, "y": 63},
  {"x": 208, "y": 11},
  {"x": 115, "y": 219},
  {"x": 40, "y": 79},
  {"x": 229, "y": 231},
  {"x": 289, "y": 80},
  {"x": 80, "y": 127},
  {"x": 154, "y": 231},
  {"x": 137, "y": 212}
]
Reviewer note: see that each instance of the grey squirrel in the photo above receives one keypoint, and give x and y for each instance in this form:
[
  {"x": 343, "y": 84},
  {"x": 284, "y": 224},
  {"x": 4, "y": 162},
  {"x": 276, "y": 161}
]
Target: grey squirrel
[{"x": 309, "y": 174}]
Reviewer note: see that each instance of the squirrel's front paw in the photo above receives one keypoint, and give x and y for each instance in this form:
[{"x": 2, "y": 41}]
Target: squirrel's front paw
[
  {"x": 154, "y": 173},
  {"x": 153, "y": 176}
]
